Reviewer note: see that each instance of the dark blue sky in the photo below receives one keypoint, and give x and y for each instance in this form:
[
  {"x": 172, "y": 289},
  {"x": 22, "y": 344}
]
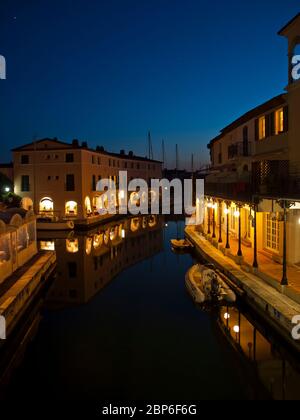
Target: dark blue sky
[{"x": 107, "y": 71}]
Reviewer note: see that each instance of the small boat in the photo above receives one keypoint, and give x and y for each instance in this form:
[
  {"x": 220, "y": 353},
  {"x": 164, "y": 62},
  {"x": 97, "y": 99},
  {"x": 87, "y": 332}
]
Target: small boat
[
  {"x": 46, "y": 223},
  {"x": 204, "y": 284},
  {"x": 180, "y": 244}
]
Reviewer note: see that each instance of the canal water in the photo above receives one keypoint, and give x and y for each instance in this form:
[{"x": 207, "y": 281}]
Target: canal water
[{"x": 118, "y": 324}]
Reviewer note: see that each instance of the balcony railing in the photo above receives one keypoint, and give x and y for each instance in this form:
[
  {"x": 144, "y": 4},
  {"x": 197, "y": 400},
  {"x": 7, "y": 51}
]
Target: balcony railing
[
  {"x": 239, "y": 149},
  {"x": 272, "y": 179},
  {"x": 238, "y": 191}
]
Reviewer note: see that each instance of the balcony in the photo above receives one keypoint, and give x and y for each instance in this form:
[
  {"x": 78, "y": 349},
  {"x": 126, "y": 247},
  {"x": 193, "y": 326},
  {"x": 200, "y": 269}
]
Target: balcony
[
  {"x": 239, "y": 149},
  {"x": 276, "y": 179},
  {"x": 236, "y": 191}
]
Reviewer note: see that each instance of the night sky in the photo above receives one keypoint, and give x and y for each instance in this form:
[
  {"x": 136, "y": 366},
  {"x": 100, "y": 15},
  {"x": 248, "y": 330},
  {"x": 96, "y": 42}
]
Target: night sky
[{"x": 107, "y": 71}]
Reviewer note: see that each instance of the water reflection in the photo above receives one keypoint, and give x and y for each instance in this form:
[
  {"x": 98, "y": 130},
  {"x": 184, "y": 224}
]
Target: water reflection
[
  {"x": 268, "y": 360},
  {"x": 87, "y": 262},
  {"x": 141, "y": 337}
]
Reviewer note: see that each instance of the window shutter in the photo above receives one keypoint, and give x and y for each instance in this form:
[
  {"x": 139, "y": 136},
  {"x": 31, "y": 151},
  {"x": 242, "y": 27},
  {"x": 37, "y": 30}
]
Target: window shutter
[
  {"x": 285, "y": 119},
  {"x": 256, "y": 130},
  {"x": 268, "y": 125},
  {"x": 272, "y": 124}
]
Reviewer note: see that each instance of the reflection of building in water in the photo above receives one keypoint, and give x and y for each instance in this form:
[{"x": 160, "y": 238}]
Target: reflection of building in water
[
  {"x": 86, "y": 263},
  {"x": 17, "y": 240},
  {"x": 11, "y": 351},
  {"x": 23, "y": 271},
  {"x": 275, "y": 368}
]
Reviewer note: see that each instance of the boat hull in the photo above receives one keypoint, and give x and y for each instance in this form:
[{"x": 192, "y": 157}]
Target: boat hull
[
  {"x": 201, "y": 290},
  {"x": 193, "y": 289}
]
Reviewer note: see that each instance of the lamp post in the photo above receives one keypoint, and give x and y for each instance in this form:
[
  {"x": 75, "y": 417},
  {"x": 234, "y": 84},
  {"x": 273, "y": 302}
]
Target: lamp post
[
  {"x": 255, "y": 262},
  {"x": 284, "y": 281},
  {"x": 238, "y": 214},
  {"x": 214, "y": 220},
  {"x": 227, "y": 226},
  {"x": 208, "y": 218},
  {"x": 220, "y": 222}
]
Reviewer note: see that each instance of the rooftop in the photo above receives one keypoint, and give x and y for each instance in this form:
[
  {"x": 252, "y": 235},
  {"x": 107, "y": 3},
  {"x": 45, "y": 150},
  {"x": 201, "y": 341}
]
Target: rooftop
[
  {"x": 61, "y": 145},
  {"x": 283, "y": 30},
  {"x": 6, "y": 165},
  {"x": 253, "y": 113}
]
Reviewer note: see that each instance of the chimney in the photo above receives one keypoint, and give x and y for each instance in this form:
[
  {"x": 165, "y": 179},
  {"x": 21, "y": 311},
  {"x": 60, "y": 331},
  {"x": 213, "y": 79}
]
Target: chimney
[{"x": 75, "y": 143}]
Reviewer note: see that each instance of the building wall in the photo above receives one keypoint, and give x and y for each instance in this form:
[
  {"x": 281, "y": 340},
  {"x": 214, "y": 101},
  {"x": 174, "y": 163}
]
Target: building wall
[
  {"x": 48, "y": 168},
  {"x": 7, "y": 171}
]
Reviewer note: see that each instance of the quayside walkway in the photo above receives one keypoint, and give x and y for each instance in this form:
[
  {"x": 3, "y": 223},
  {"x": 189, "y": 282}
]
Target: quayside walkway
[
  {"x": 268, "y": 269},
  {"x": 274, "y": 302}
]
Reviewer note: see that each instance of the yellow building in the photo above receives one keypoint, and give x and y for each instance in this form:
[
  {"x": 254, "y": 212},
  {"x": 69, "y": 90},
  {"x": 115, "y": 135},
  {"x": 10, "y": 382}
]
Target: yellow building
[
  {"x": 59, "y": 179},
  {"x": 253, "y": 187}
]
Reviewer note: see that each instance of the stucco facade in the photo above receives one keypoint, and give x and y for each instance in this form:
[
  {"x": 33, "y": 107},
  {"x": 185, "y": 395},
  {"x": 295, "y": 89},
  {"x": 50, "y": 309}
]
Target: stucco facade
[{"x": 59, "y": 179}]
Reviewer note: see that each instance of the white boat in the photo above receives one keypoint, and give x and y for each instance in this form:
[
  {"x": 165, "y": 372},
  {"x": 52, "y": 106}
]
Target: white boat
[
  {"x": 204, "y": 284},
  {"x": 46, "y": 223},
  {"x": 181, "y": 244}
]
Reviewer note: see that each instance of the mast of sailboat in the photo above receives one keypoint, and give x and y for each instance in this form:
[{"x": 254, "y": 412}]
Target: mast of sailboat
[
  {"x": 150, "y": 148},
  {"x": 192, "y": 164}
]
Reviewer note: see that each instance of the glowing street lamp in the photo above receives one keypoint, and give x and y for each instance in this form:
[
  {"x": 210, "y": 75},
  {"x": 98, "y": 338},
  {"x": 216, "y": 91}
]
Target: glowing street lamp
[{"x": 7, "y": 189}]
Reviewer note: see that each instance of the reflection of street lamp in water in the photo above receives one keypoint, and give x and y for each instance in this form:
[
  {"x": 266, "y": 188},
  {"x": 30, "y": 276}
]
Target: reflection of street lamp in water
[{"x": 236, "y": 329}]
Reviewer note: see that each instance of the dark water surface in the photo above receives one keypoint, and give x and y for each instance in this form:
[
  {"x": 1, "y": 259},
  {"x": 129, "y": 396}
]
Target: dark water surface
[{"x": 119, "y": 324}]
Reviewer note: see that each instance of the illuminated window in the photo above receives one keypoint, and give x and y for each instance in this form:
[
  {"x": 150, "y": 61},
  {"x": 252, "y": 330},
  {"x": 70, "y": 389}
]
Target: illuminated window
[
  {"x": 87, "y": 205},
  {"x": 27, "y": 203},
  {"x": 46, "y": 206},
  {"x": 272, "y": 233},
  {"x": 262, "y": 128},
  {"x": 71, "y": 208},
  {"x": 279, "y": 121}
]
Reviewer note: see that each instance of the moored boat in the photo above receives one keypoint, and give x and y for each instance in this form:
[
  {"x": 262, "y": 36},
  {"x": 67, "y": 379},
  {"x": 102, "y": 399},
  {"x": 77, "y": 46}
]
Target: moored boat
[
  {"x": 180, "y": 244},
  {"x": 204, "y": 284}
]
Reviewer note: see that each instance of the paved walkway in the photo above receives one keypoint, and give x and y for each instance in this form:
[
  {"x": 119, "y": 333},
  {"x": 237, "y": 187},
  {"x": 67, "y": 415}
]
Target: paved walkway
[{"x": 267, "y": 266}]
